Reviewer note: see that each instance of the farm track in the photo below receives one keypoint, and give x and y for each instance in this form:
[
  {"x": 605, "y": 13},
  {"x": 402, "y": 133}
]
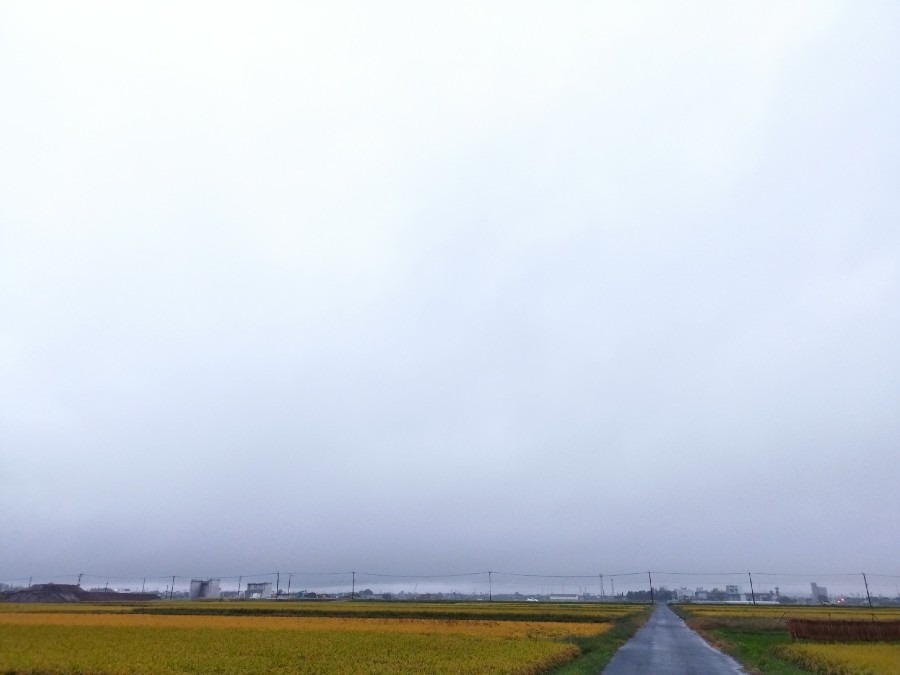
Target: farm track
[{"x": 666, "y": 646}]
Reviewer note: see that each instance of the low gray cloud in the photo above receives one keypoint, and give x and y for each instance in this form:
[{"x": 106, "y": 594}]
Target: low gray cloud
[{"x": 438, "y": 290}]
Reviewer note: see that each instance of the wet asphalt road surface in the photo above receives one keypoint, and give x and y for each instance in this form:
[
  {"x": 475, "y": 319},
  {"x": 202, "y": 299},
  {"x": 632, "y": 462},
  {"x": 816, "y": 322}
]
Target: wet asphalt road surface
[{"x": 666, "y": 646}]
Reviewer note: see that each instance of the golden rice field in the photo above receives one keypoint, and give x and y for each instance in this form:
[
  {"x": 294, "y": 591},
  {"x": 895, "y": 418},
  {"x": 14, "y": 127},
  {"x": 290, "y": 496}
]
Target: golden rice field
[
  {"x": 793, "y": 611},
  {"x": 551, "y": 630},
  {"x": 107, "y": 639},
  {"x": 67, "y": 608},
  {"x": 845, "y": 659}
]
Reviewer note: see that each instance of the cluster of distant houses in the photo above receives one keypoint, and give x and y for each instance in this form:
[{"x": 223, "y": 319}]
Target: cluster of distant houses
[{"x": 732, "y": 593}]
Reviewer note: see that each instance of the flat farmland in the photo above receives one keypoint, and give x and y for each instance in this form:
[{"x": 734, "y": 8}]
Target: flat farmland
[
  {"x": 758, "y": 637},
  {"x": 500, "y": 611},
  {"x": 278, "y": 637},
  {"x": 837, "y": 659},
  {"x": 780, "y": 613}
]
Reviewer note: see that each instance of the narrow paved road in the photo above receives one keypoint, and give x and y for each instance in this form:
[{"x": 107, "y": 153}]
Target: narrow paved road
[{"x": 666, "y": 646}]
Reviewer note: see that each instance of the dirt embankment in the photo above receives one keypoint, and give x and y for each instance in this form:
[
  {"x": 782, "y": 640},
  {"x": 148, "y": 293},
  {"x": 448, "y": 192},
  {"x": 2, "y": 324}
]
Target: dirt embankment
[{"x": 71, "y": 593}]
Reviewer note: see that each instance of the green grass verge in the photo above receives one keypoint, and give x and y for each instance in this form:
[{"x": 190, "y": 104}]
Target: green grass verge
[
  {"x": 598, "y": 650},
  {"x": 757, "y": 652}
]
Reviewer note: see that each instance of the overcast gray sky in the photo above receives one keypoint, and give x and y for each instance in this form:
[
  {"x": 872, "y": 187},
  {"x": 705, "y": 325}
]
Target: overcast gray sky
[{"x": 428, "y": 288}]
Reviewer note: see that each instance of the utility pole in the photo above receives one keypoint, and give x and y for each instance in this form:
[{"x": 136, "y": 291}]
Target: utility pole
[
  {"x": 277, "y": 583},
  {"x": 353, "y": 587},
  {"x": 651, "y": 587},
  {"x": 490, "y": 587},
  {"x": 143, "y": 583},
  {"x": 866, "y": 582},
  {"x": 612, "y": 583},
  {"x": 601, "y": 587},
  {"x": 172, "y": 592},
  {"x": 29, "y": 581},
  {"x": 752, "y": 594},
  {"x": 80, "y": 574},
  {"x": 289, "y": 583},
  {"x": 239, "y": 587}
]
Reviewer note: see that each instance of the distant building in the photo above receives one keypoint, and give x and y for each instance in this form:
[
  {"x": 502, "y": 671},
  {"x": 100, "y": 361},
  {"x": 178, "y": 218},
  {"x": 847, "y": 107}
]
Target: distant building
[
  {"x": 733, "y": 591},
  {"x": 259, "y": 590},
  {"x": 682, "y": 594},
  {"x": 564, "y": 597},
  {"x": 204, "y": 588},
  {"x": 819, "y": 593}
]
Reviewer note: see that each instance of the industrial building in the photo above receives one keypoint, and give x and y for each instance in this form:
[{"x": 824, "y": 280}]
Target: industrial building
[
  {"x": 260, "y": 590},
  {"x": 204, "y": 588},
  {"x": 819, "y": 593}
]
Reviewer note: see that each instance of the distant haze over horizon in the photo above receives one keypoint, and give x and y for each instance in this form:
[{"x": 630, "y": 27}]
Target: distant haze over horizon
[
  {"x": 430, "y": 289},
  {"x": 765, "y": 586}
]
